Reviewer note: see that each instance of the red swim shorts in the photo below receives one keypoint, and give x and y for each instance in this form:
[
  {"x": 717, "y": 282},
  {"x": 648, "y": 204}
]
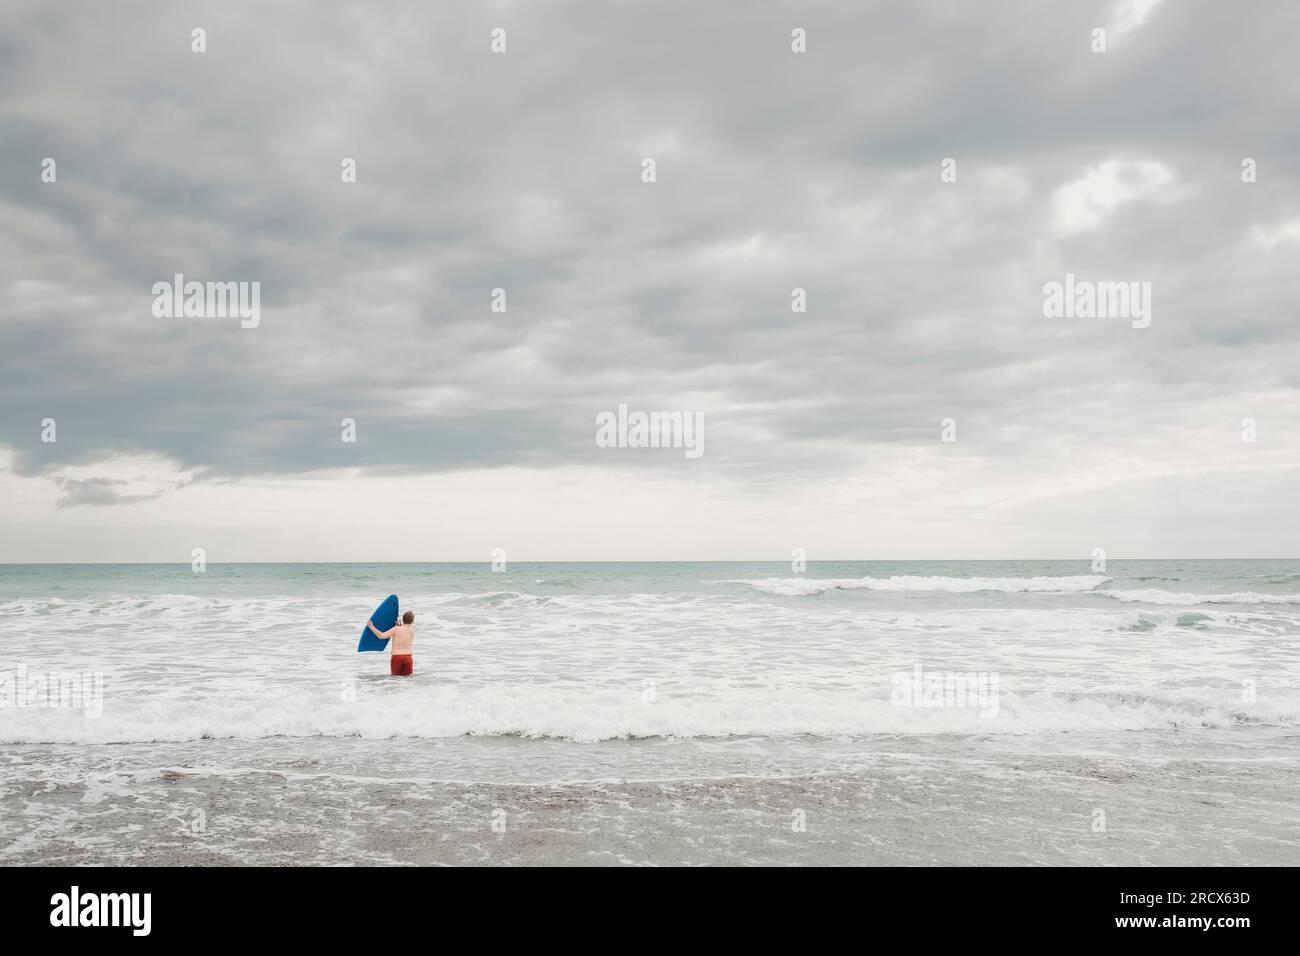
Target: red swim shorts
[{"x": 401, "y": 665}]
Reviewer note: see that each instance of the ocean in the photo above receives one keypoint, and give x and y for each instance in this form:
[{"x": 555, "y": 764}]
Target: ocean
[{"x": 914, "y": 713}]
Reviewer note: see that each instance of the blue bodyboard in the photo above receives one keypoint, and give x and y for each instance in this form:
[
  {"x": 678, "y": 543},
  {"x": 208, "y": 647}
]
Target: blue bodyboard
[{"x": 385, "y": 616}]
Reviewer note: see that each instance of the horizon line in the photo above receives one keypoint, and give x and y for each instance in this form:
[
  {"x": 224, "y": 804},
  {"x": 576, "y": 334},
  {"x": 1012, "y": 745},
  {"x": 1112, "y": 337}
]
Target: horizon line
[{"x": 810, "y": 561}]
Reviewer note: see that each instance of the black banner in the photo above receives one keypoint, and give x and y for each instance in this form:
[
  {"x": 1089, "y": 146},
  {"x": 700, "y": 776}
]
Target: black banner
[{"x": 330, "y": 905}]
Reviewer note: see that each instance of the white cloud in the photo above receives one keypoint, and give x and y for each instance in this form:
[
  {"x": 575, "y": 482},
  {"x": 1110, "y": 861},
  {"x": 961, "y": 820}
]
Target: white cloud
[
  {"x": 1083, "y": 204},
  {"x": 1127, "y": 15},
  {"x": 1269, "y": 237}
]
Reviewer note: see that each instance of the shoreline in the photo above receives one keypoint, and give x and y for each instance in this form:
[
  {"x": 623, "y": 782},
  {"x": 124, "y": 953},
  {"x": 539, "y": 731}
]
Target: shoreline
[{"x": 1012, "y": 809}]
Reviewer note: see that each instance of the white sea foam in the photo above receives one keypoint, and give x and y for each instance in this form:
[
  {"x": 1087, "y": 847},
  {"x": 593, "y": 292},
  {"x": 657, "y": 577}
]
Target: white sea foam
[
  {"x": 796, "y": 586},
  {"x": 1152, "y": 596},
  {"x": 596, "y": 713},
  {"x": 1064, "y": 585},
  {"x": 694, "y": 660}
]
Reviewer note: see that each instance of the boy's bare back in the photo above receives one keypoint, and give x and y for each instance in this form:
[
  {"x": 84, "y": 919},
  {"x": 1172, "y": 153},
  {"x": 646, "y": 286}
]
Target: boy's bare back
[{"x": 403, "y": 638}]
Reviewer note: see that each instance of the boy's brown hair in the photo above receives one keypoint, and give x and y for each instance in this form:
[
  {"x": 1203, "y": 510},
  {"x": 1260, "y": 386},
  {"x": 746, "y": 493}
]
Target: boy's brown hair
[{"x": 408, "y": 617}]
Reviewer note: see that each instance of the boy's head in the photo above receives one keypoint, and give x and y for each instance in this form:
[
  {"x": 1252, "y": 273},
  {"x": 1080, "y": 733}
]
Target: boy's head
[{"x": 408, "y": 617}]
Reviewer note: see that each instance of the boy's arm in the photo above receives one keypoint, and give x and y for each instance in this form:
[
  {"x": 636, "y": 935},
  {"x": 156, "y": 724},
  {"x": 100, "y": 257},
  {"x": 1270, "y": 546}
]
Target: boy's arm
[{"x": 378, "y": 633}]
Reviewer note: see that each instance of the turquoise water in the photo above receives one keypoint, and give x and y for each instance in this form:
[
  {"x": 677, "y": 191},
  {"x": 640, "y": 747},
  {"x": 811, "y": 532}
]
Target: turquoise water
[
  {"x": 677, "y": 650},
  {"x": 18, "y": 581},
  {"x": 956, "y": 674}
]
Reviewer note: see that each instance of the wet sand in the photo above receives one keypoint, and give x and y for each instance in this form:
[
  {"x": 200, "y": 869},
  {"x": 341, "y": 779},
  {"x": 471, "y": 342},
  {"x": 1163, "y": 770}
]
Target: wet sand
[{"x": 1023, "y": 810}]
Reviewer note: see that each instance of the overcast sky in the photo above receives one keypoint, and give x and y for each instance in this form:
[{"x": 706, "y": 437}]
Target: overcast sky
[{"x": 775, "y": 170}]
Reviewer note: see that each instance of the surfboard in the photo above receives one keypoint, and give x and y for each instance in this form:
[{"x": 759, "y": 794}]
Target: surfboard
[{"x": 385, "y": 616}]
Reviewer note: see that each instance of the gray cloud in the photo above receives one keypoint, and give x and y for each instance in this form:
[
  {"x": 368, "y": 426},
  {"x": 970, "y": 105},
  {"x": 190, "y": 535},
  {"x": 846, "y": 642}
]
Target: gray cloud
[
  {"x": 97, "y": 491},
  {"x": 521, "y": 171}
]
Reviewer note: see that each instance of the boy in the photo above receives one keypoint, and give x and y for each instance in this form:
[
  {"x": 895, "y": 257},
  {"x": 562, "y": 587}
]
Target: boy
[{"x": 401, "y": 663}]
